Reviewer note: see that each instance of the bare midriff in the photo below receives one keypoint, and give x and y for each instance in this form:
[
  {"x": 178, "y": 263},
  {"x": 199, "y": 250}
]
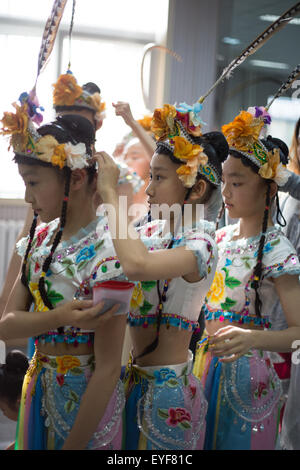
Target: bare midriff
[
  {"x": 212, "y": 326},
  {"x": 172, "y": 346},
  {"x": 62, "y": 349}
]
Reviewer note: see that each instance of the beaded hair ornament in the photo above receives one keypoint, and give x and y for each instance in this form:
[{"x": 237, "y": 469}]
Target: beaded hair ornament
[{"x": 68, "y": 93}]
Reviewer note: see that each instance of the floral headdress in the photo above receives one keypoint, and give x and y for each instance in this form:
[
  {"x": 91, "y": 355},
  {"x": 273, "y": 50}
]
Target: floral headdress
[
  {"x": 175, "y": 127},
  {"x": 243, "y": 135},
  {"x": 67, "y": 93},
  {"x": 26, "y": 141}
]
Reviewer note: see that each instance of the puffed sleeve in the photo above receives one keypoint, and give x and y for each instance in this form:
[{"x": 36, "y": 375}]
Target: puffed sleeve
[
  {"x": 280, "y": 257},
  {"x": 200, "y": 241},
  {"x": 21, "y": 246}
]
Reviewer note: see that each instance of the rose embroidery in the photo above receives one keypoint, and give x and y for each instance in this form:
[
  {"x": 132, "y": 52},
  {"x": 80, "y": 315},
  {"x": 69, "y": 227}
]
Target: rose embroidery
[
  {"x": 220, "y": 236},
  {"x": 261, "y": 390},
  {"x": 176, "y": 417},
  {"x": 42, "y": 234}
]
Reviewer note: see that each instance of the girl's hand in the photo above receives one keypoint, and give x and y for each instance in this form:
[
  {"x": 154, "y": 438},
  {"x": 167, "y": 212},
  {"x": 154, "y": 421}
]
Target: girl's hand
[
  {"x": 108, "y": 174},
  {"x": 123, "y": 109},
  {"x": 231, "y": 341},
  {"x": 83, "y": 314}
]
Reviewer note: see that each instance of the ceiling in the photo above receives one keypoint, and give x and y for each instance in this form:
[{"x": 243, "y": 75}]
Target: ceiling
[{"x": 239, "y": 19}]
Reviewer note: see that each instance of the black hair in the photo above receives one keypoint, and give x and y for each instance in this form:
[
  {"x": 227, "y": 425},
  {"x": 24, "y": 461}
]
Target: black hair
[
  {"x": 12, "y": 376},
  {"x": 91, "y": 88},
  {"x": 67, "y": 128},
  {"x": 271, "y": 143},
  {"x": 216, "y": 148}
]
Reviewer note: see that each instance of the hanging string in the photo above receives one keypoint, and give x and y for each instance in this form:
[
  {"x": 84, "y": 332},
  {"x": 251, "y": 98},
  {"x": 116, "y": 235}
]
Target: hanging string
[{"x": 70, "y": 33}]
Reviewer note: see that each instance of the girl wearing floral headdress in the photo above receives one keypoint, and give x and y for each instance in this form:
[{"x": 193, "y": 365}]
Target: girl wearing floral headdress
[
  {"x": 165, "y": 407},
  {"x": 63, "y": 258},
  {"x": 256, "y": 266}
]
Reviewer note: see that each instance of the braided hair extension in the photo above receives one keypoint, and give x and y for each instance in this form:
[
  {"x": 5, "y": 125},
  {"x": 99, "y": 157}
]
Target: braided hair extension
[
  {"x": 24, "y": 264},
  {"x": 56, "y": 241},
  {"x": 257, "y": 272},
  {"x": 220, "y": 215}
]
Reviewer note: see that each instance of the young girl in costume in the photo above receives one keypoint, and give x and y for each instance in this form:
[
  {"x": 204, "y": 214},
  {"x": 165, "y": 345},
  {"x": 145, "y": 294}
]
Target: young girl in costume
[
  {"x": 257, "y": 265},
  {"x": 62, "y": 260},
  {"x": 165, "y": 407}
]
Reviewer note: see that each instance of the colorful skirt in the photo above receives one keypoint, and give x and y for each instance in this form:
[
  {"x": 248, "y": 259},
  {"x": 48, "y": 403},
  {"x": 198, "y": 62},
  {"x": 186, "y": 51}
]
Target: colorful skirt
[
  {"x": 52, "y": 390},
  {"x": 165, "y": 408},
  {"x": 244, "y": 401}
]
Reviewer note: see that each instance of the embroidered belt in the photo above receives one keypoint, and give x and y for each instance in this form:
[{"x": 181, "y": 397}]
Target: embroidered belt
[
  {"x": 169, "y": 319},
  {"x": 239, "y": 317}
]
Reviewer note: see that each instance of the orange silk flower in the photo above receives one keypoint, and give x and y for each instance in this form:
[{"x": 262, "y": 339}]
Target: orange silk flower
[
  {"x": 66, "y": 91},
  {"x": 243, "y": 131},
  {"x": 163, "y": 121},
  {"x": 194, "y": 156},
  {"x": 59, "y": 156}
]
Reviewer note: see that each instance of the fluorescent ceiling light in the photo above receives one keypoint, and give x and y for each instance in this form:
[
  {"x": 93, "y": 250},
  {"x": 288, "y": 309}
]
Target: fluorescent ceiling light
[
  {"x": 269, "y": 64},
  {"x": 231, "y": 41},
  {"x": 272, "y": 18}
]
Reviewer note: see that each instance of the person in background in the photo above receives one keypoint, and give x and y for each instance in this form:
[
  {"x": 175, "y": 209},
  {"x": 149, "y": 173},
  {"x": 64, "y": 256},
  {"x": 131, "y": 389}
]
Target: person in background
[{"x": 11, "y": 379}]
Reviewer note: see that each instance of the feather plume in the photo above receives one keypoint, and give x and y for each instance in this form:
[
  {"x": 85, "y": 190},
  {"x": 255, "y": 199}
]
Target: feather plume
[
  {"x": 286, "y": 85},
  {"x": 258, "y": 42},
  {"x": 148, "y": 48},
  {"x": 49, "y": 34}
]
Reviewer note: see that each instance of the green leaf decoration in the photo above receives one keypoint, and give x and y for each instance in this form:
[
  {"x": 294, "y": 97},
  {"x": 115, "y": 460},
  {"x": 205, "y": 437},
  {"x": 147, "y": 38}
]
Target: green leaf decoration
[
  {"x": 73, "y": 396},
  {"x": 53, "y": 363},
  {"x": 228, "y": 304},
  {"x": 69, "y": 406},
  {"x": 67, "y": 262},
  {"x": 232, "y": 282},
  {"x": 76, "y": 371},
  {"x": 163, "y": 413},
  {"x": 53, "y": 296},
  {"x": 275, "y": 242},
  {"x": 185, "y": 381},
  {"x": 82, "y": 264},
  {"x": 70, "y": 271},
  {"x": 246, "y": 261},
  {"x": 172, "y": 383},
  {"x": 98, "y": 245},
  {"x": 146, "y": 307},
  {"x": 148, "y": 285},
  {"x": 184, "y": 425},
  {"x": 225, "y": 270}
]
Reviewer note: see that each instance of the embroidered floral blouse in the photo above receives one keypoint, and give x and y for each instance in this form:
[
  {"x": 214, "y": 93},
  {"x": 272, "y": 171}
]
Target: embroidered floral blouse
[
  {"x": 181, "y": 300},
  {"x": 90, "y": 258},
  {"x": 231, "y": 295},
  {"x": 77, "y": 264}
]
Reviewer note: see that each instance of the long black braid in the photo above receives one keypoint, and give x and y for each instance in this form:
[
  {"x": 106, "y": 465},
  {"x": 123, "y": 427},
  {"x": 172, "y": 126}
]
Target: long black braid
[
  {"x": 257, "y": 272},
  {"x": 161, "y": 298},
  {"x": 24, "y": 264},
  {"x": 48, "y": 260}
]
